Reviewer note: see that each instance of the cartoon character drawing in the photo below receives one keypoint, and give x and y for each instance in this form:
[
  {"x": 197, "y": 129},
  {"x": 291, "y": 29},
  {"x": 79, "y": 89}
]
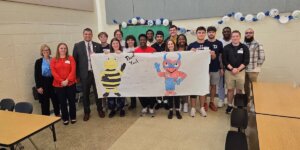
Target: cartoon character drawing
[
  {"x": 111, "y": 76},
  {"x": 171, "y": 74}
]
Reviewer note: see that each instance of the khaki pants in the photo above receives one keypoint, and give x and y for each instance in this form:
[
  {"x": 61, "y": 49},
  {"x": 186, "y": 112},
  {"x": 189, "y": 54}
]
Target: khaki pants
[{"x": 250, "y": 77}]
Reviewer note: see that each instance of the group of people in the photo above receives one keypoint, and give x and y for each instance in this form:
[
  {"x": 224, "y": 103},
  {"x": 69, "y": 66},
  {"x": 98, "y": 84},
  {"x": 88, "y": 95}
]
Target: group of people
[{"x": 233, "y": 63}]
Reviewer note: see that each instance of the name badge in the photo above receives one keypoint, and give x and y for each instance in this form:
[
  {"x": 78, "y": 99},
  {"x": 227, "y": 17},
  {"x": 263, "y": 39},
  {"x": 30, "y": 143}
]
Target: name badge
[
  {"x": 67, "y": 62},
  {"x": 240, "y": 51}
]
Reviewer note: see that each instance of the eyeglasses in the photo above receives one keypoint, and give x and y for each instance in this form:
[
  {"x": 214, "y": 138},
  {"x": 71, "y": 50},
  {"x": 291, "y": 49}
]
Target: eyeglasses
[{"x": 248, "y": 32}]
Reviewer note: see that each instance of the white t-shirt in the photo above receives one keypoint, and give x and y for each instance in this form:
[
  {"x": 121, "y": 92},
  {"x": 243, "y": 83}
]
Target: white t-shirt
[
  {"x": 128, "y": 50},
  {"x": 224, "y": 42}
]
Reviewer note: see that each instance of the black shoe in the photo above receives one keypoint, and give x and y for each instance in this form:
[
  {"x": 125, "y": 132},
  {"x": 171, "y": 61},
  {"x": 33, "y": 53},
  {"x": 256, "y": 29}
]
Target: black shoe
[
  {"x": 229, "y": 109},
  {"x": 122, "y": 113},
  {"x": 118, "y": 94},
  {"x": 105, "y": 94},
  {"x": 157, "y": 106},
  {"x": 73, "y": 121},
  {"x": 170, "y": 115},
  {"x": 131, "y": 107},
  {"x": 178, "y": 115},
  {"x": 112, "y": 114}
]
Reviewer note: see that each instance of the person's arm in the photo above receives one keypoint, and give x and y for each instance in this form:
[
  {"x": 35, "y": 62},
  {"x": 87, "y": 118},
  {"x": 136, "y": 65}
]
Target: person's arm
[
  {"x": 37, "y": 74},
  {"x": 76, "y": 57},
  {"x": 261, "y": 55},
  {"x": 54, "y": 71},
  {"x": 225, "y": 59},
  {"x": 246, "y": 56},
  {"x": 72, "y": 74}
]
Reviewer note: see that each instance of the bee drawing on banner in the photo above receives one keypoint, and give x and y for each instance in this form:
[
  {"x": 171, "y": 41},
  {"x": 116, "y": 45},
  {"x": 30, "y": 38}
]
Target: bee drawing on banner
[
  {"x": 171, "y": 74},
  {"x": 111, "y": 76}
]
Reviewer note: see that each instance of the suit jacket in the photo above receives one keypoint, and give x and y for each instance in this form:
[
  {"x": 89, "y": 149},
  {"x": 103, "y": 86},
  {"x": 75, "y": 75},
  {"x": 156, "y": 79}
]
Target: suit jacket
[
  {"x": 81, "y": 58},
  {"x": 41, "y": 81}
]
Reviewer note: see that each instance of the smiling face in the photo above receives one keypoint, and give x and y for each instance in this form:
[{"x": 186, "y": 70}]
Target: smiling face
[
  {"x": 62, "y": 49},
  {"x": 87, "y": 36},
  {"x": 130, "y": 42},
  {"x": 181, "y": 41},
  {"x": 115, "y": 45},
  {"x": 171, "y": 46}
]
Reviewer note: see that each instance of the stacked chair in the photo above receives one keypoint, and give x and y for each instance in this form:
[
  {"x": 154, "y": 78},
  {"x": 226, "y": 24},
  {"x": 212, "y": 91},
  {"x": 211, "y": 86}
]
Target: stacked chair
[{"x": 237, "y": 140}]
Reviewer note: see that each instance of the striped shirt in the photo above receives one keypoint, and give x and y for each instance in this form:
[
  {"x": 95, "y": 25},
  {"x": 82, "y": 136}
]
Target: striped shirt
[{"x": 257, "y": 56}]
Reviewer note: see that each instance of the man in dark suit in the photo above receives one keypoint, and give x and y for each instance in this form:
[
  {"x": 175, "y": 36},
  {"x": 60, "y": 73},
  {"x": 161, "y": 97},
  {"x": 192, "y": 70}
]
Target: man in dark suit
[{"x": 81, "y": 53}]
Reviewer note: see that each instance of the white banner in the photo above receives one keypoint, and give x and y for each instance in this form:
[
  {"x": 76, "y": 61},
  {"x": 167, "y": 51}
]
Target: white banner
[{"x": 151, "y": 74}]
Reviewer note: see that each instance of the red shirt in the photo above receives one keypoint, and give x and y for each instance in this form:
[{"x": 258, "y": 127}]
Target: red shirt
[
  {"x": 146, "y": 50},
  {"x": 63, "y": 69}
]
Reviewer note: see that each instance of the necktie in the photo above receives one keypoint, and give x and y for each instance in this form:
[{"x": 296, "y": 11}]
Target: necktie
[{"x": 89, "y": 49}]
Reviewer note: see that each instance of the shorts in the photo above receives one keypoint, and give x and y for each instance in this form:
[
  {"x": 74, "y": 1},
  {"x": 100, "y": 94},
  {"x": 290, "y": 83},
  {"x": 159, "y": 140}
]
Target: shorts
[
  {"x": 214, "y": 78},
  {"x": 235, "y": 81}
]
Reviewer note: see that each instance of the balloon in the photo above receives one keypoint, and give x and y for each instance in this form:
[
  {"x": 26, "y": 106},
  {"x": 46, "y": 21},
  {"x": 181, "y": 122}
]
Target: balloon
[
  {"x": 142, "y": 21},
  {"x": 283, "y": 19},
  {"x": 134, "y": 21},
  {"x": 274, "y": 12},
  {"x": 124, "y": 24},
  {"x": 249, "y": 18},
  {"x": 150, "y": 22},
  {"x": 166, "y": 22},
  {"x": 296, "y": 14},
  {"x": 260, "y": 16},
  {"x": 158, "y": 22},
  {"x": 225, "y": 19},
  {"x": 238, "y": 16}
]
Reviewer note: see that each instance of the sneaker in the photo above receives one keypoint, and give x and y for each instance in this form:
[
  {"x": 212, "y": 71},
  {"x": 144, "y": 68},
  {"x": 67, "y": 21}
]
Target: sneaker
[
  {"x": 143, "y": 112},
  {"x": 178, "y": 115},
  {"x": 251, "y": 106},
  {"x": 203, "y": 112},
  {"x": 193, "y": 112},
  {"x": 212, "y": 106},
  {"x": 73, "y": 121},
  {"x": 185, "y": 107},
  {"x": 220, "y": 103},
  {"x": 66, "y": 122},
  {"x": 229, "y": 109},
  {"x": 112, "y": 114},
  {"x": 151, "y": 111},
  {"x": 170, "y": 115},
  {"x": 205, "y": 106},
  {"x": 122, "y": 113},
  {"x": 180, "y": 107}
]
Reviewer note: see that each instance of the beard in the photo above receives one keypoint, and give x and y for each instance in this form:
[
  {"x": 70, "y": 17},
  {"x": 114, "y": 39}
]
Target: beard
[{"x": 249, "y": 40}]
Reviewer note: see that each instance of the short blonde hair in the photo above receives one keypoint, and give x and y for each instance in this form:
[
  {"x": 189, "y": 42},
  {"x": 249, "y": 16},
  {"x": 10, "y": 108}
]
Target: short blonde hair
[{"x": 43, "y": 46}]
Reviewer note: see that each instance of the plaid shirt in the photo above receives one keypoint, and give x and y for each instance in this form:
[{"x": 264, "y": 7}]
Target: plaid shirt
[{"x": 257, "y": 56}]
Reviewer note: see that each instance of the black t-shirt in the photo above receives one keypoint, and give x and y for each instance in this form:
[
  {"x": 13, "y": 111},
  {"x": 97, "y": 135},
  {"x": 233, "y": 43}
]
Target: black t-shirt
[
  {"x": 105, "y": 47},
  {"x": 216, "y": 46},
  {"x": 199, "y": 46},
  {"x": 159, "y": 48}
]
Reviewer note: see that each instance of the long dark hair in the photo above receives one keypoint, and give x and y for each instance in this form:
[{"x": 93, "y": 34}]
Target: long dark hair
[
  {"x": 167, "y": 49},
  {"x": 111, "y": 48},
  {"x": 57, "y": 51},
  {"x": 128, "y": 38},
  {"x": 185, "y": 45}
]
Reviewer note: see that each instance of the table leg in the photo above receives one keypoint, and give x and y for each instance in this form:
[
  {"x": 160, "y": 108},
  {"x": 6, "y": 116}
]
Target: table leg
[{"x": 53, "y": 132}]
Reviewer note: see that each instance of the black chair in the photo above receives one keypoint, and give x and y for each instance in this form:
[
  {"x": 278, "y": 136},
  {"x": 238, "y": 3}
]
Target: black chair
[
  {"x": 241, "y": 100},
  {"x": 7, "y": 104},
  {"x": 24, "y": 107},
  {"x": 237, "y": 140}
]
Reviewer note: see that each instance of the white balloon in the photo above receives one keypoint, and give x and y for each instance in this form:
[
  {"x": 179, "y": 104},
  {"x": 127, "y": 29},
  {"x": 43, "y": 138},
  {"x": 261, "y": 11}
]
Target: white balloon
[
  {"x": 283, "y": 19},
  {"x": 249, "y": 18},
  {"x": 165, "y": 22},
  {"x": 274, "y": 12},
  {"x": 296, "y": 14},
  {"x": 225, "y": 19},
  {"x": 134, "y": 21},
  {"x": 260, "y": 16},
  {"x": 238, "y": 15},
  {"x": 142, "y": 21},
  {"x": 124, "y": 24},
  {"x": 157, "y": 22},
  {"x": 150, "y": 22}
]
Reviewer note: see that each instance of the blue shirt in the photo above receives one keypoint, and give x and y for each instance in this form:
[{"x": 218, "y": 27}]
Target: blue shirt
[
  {"x": 216, "y": 46},
  {"x": 46, "y": 71}
]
